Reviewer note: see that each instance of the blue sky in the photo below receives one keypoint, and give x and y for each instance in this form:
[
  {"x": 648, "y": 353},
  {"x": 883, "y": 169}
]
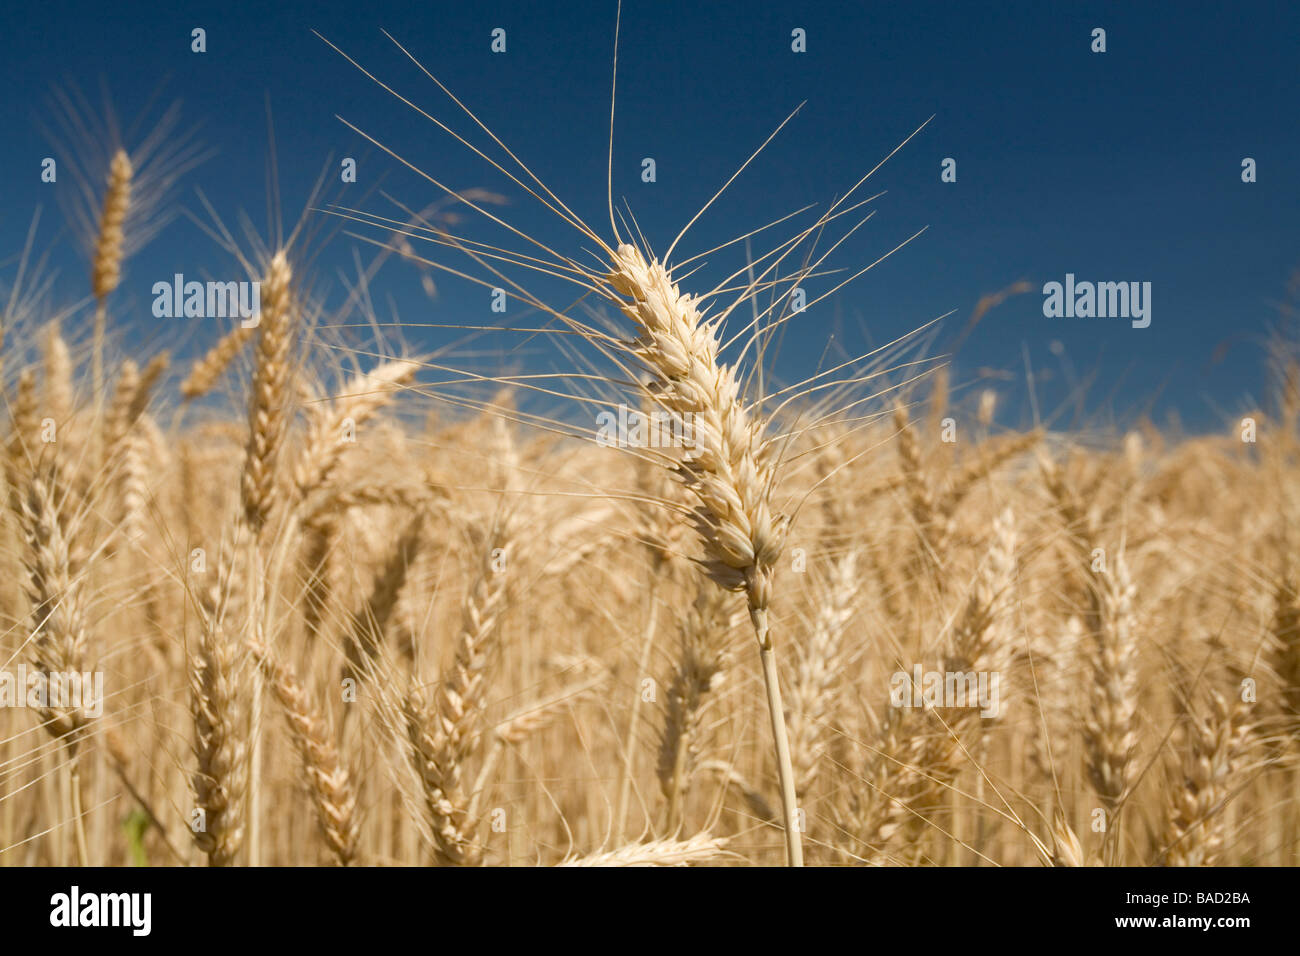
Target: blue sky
[{"x": 1122, "y": 166}]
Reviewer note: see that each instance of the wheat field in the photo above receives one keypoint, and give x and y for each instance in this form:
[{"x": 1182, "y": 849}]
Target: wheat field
[{"x": 365, "y": 605}]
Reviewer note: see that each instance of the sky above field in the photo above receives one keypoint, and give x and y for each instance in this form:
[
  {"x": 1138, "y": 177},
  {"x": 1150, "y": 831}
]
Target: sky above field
[{"x": 1123, "y": 166}]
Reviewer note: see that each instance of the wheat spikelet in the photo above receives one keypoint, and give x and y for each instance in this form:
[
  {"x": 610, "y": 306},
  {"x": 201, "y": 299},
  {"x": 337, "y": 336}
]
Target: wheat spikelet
[
  {"x": 700, "y": 848},
  {"x": 1110, "y": 724},
  {"x": 145, "y": 465},
  {"x": 106, "y": 261},
  {"x": 937, "y": 404},
  {"x": 987, "y": 407},
  {"x": 330, "y": 784},
  {"x": 1066, "y": 848},
  {"x": 208, "y": 368},
  {"x": 1284, "y": 651},
  {"x": 268, "y": 423},
  {"x": 812, "y": 701},
  {"x": 1194, "y": 828},
  {"x": 730, "y": 471},
  {"x": 144, "y": 389},
  {"x": 979, "y": 645},
  {"x": 980, "y": 640},
  {"x": 118, "y": 419},
  {"x": 134, "y": 486},
  {"x": 57, "y": 630},
  {"x": 920, "y": 494}
]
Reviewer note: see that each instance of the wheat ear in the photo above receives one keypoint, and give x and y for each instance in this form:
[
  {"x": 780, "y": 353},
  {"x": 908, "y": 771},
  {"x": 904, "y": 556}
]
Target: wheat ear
[
  {"x": 1066, "y": 849},
  {"x": 58, "y": 391},
  {"x": 58, "y": 612},
  {"x": 268, "y": 407},
  {"x": 106, "y": 268},
  {"x": 1217, "y": 742},
  {"x": 370, "y": 623},
  {"x": 209, "y": 367},
  {"x": 1110, "y": 725},
  {"x": 219, "y": 712},
  {"x": 821, "y": 657},
  {"x": 730, "y": 471},
  {"x": 917, "y": 764},
  {"x": 329, "y": 424},
  {"x": 700, "y": 848},
  {"x": 24, "y": 422},
  {"x": 698, "y": 671},
  {"x": 444, "y": 734},
  {"x": 331, "y": 787},
  {"x": 1284, "y": 651},
  {"x": 812, "y": 691},
  {"x": 1110, "y": 728},
  {"x": 659, "y": 530}
]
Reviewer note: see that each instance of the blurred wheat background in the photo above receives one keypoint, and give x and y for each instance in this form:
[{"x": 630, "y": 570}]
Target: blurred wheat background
[{"x": 481, "y": 644}]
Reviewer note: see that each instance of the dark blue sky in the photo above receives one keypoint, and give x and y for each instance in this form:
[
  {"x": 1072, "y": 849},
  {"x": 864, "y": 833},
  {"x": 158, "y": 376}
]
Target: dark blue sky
[{"x": 1123, "y": 166}]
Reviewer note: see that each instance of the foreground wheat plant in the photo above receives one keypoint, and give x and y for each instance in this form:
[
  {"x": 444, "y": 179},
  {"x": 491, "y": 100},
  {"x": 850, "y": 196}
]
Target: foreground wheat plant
[{"x": 731, "y": 472}]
